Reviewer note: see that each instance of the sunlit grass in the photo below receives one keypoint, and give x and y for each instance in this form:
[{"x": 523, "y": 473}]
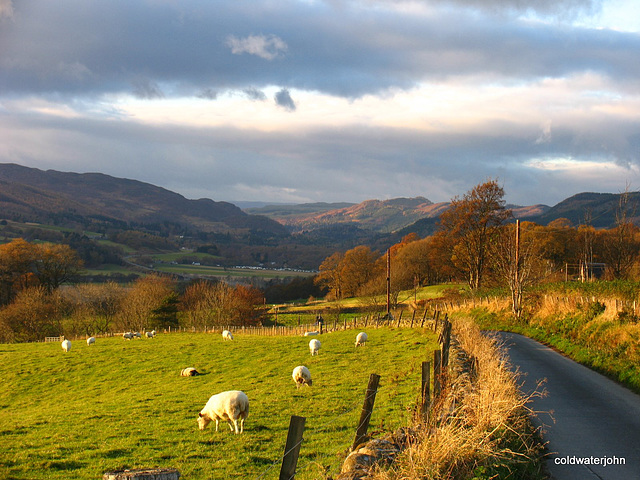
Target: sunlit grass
[{"x": 122, "y": 404}]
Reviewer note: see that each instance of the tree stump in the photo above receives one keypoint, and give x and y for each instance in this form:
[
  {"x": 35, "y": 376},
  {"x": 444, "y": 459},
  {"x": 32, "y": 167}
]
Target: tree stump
[{"x": 143, "y": 474}]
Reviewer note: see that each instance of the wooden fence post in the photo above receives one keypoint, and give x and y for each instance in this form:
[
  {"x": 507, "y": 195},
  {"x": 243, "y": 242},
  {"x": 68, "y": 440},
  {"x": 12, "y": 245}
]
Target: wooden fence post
[
  {"x": 426, "y": 380},
  {"x": 437, "y": 371},
  {"x": 424, "y": 317},
  {"x": 367, "y": 408},
  {"x": 292, "y": 448},
  {"x": 413, "y": 317},
  {"x": 400, "y": 318},
  {"x": 445, "y": 341}
]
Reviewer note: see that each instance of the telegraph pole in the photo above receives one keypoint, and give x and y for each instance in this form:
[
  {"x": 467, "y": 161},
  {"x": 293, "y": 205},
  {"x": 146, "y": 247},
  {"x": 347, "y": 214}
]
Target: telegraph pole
[{"x": 389, "y": 284}]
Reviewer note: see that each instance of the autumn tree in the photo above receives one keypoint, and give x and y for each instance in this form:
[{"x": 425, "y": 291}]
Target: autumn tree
[
  {"x": 357, "y": 268},
  {"x": 515, "y": 260},
  {"x": 330, "y": 275},
  {"x": 55, "y": 264},
  {"x": 142, "y": 306},
  {"x": 94, "y": 307},
  {"x": 17, "y": 269},
  {"x": 470, "y": 225},
  {"x": 33, "y": 315},
  {"x": 207, "y": 304},
  {"x": 619, "y": 246},
  {"x": 24, "y": 264}
]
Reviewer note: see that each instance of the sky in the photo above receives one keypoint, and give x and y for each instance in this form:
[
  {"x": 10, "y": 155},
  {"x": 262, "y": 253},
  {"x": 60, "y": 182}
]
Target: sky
[{"x": 297, "y": 101}]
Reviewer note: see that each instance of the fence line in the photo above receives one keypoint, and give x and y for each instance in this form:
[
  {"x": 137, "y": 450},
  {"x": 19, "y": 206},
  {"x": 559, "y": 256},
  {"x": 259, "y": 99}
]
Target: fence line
[{"x": 439, "y": 375}]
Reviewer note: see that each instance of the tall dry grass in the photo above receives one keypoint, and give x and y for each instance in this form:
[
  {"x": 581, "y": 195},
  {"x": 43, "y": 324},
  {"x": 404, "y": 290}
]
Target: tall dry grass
[{"x": 480, "y": 427}]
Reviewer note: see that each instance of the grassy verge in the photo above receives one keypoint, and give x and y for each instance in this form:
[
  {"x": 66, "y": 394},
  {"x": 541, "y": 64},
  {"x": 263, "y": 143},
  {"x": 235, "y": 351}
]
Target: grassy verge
[
  {"x": 480, "y": 428},
  {"x": 122, "y": 404},
  {"x": 589, "y": 331}
]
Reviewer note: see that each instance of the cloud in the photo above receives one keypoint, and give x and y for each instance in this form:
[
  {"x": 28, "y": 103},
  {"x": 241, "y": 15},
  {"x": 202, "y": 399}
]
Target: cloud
[
  {"x": 146, "y": 89},
  {"x": 268, "y": 47},
  {"x": 392, "y": 97},
  {"x": 208, "y": 94},
  {"x": 540, "y": 7},
  {"x": 283, "y": 99},
  {"x": 255, "y": 94},
  {"x": 6, "y": 9}
]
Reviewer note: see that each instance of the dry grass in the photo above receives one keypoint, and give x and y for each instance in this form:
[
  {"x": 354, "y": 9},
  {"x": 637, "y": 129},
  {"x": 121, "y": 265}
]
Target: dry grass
[{"x": 480, "y": 428}]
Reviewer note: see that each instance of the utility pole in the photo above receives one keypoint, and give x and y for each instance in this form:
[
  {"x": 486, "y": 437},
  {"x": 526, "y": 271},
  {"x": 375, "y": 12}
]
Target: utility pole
[
  {"x": 517, "y": 269},
  {"x": 389, "y": 284}
]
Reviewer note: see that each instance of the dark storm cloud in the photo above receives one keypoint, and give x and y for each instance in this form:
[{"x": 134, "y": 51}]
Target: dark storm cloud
[
  {"x": 208, "y": 93},
  {"x": 284, "y": 100},
  {"x": 64, "y": 47},
  {"x": 255, "y": 94},
  {"x": 145, "y": 88}
]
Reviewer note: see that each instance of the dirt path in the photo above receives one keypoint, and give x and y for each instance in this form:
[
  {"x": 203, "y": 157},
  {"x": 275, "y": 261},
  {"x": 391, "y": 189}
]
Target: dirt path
[{"x": 585, "y": 416}]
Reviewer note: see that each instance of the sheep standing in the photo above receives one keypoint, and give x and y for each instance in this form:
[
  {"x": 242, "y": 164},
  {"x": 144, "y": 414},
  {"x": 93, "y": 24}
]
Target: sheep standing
[
  {"x": 361, "y": 339},
  {"x": 149, "y": 334},
  {"x": 127, "y": 335},
  {"x": 314, "y": 346},
  {"x": 189, "y": 372},
  {"x": 66, "y": 345},
  {"x": 230, "y": 406},
  {"x": 226, "y": 335},
  {"x": 91, "y": 340},
  {"x": 302, "y": 376}
]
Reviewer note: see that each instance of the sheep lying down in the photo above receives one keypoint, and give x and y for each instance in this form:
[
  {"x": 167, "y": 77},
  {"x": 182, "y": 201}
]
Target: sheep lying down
[{"x": 232, "y": 406}]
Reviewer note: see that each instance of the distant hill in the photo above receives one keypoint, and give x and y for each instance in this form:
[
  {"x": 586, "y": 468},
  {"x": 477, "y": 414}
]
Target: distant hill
[
  {"x": 597, "y": 209},
  {"x": 398, "y": 215},
  {"x": 30, "y": 194},
  {"x": 289, "y": 212},
  {"x": 380, "y": 216}
]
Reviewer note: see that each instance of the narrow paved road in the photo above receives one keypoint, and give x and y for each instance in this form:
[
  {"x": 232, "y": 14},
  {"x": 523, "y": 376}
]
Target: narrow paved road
[{"x": 585, "y": 416}]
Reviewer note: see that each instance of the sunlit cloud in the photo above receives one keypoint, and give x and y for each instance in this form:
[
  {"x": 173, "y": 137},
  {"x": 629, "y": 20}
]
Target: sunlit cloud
[{"x": 268, "y": 47}]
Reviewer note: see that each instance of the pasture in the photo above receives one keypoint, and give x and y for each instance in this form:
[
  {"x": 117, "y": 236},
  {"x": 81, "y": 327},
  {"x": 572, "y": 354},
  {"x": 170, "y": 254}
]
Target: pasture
[{"x": 122, "y": 404}]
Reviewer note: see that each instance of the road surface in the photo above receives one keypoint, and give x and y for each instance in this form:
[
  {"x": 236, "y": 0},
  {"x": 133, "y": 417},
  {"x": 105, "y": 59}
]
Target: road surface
[{"x": 591, "y": 424}]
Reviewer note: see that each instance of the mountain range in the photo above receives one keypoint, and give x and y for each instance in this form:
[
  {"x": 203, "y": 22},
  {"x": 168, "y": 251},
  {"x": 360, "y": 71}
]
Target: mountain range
[{"x": 93, "y": 200}]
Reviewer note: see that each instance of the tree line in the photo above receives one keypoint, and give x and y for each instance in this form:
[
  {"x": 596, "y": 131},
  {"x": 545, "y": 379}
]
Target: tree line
[
  {"x": 33, "y": 305},
  {"x": 478, "y": 242}
]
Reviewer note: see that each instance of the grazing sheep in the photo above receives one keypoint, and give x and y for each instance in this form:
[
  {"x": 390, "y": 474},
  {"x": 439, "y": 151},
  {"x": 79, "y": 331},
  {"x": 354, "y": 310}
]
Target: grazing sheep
[
  {"x": 189, "y": 372},
  {"x": 137, "y": 335},
  {"x": 310, "y": 334},
  {"x": 361, "y": 339},
  {"x": 314, "y": 346},
  {"x": 91, "y": 340},
  {"x": 66, "y": 345},
  {"x": 127, "y": 336},
  {"x": 149, "y": 334},
  {"x": 302, "y": 376},
  {"x": 229, "y": 406},
  {"x": 226, "y": 335}
]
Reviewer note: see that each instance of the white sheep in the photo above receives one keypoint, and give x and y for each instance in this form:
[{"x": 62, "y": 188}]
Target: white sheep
[
  {"x": 302, "y": 376},
  {"x": 226, "y": 335},
  {"x": 361, "y": 339},
  {"x": 91, "y": 340},
  {"x": 311, "y": 334},
  {"x": 230, "y": 406},
  {"x": 127, "y": 336},
  {"x": 189, "y": 372},
  {"x": 314, "y": 346},
  {"x": 149, "y": 334},
  {"x": 66, "y": 345}
]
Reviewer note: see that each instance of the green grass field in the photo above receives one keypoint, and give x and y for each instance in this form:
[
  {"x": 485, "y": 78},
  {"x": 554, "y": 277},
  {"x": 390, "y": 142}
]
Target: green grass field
[{"x": 122, "y": 404}]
